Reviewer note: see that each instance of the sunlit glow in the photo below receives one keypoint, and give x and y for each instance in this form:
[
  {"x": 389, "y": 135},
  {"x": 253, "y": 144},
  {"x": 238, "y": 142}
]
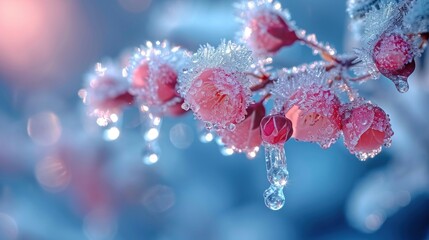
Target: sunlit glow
[
  {"x": 151, "y": 134},
  {"x": 111, "y": 134},
  {"x": 44, "y": 128},
  {"x": 40, "y": 35}
]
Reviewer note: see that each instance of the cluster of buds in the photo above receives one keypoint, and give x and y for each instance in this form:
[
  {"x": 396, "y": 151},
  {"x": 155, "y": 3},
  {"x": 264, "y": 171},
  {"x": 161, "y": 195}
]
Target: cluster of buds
[{"x": 227, "y": 87}]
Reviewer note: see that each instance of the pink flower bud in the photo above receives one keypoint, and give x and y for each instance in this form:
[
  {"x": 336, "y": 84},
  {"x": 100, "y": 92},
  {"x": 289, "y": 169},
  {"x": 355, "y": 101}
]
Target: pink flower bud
[
  {"x": 392, "y": 52},
  {"x": 315, "y": 117},
  {"x": 162, "y": 86},
  {"x": 153, "y": 73},
  {"x": 393, "y": 57},
  {"x": 366, "y": 128},
  {"x": 217, "y": 96},
  {"x": 276, "y": 129},
  {"x": 106, "y": 91},
  {"x": 246, "y": 135},
  {"x": 270, "y": 32},
  {"x": 266, "y": 27}
]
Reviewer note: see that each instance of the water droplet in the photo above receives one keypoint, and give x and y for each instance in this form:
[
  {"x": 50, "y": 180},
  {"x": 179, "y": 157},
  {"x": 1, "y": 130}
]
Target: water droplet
[
  {"x": 275, "y": 199},
  {"x": 185, "y": 106},
  {"x": 150, "y": 153},
  {"x": 231, "y": 127},
  {"x": 226, "y": 151},
  {"x": 209, "y": 125},
  {"x": 401, "y": 86}
]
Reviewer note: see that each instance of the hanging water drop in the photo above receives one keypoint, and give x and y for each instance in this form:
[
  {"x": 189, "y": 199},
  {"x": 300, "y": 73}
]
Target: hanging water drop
[
  {"x": 275, "y": 198},
  {"x": 277, "y": 174},
  {"x": 402, "y": 86}
]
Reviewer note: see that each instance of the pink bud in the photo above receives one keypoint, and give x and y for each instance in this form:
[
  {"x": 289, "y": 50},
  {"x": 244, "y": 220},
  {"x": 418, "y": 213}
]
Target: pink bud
[
  {"x": 270, "y": 32},
  {"x": 157, "y": 82},
  {"x": 107, "y": 94},
  {"x": 218, "y": 96},
  {"x": 246, "y": 135},
  {"x": 315, "y": 117},
  {"x": 366, "y": 128},
  {"x": 393, "y": 57},
  {"x": 276, "y": 129}
]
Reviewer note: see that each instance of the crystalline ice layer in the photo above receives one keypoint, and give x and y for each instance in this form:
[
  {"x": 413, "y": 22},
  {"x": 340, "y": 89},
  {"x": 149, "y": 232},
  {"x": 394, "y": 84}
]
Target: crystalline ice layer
[{"x": 162, "y": 61}]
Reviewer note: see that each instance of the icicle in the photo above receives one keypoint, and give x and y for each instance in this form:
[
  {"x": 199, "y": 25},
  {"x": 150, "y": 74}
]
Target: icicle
[
  {"x": 150, "y": 126},
  {"x": 277, "y": 175}
]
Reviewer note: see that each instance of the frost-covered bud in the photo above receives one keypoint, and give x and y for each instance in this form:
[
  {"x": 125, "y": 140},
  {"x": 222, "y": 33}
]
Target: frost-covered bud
[
  {"x": 153, "y": 73},
  {"x": 366, "y": 128},
  {"x": 215, "y": 85},
  {"x": 246, "y": 135},
  {"x": 106, "y": 90},
  {"x": 308, "y": 101},
  {"x": 315, "y": 115},
  {"x": 276, "y": 129},
  {"x": 393, "y": 56},
  {"x": 266, "y": 27}
]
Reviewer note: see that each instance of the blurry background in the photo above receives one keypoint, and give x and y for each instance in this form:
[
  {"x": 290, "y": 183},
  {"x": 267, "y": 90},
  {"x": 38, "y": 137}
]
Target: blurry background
[{"x": 60, "y": 180}]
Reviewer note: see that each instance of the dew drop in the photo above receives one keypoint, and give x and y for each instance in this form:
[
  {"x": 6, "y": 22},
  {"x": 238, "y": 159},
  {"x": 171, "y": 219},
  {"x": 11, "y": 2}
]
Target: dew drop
[
  {"x": 150, "y": 153},
  {"x": 231, "y": 127},
  {"x": 275, "y": 198},
  {"x": 226, "y": 151},
  {"x": 401, "y": 86},
  {"x": 185, "y": 106}
]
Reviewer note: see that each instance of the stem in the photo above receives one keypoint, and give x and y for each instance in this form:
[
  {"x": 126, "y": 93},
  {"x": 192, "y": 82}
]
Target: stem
[
  {"x": 264, "y": 98},
  {"x": 362, "y": 78},
  {"x": 264, "y": 81},
  {"x": 324, "y": 53}
]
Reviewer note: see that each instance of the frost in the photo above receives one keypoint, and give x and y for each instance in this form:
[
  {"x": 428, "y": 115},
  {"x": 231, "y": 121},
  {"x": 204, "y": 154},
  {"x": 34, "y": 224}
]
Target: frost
[
  {"x": 417, "y": 18},
  {"x": 104, "y": 82},
  {"x": 160, "y": 57}
]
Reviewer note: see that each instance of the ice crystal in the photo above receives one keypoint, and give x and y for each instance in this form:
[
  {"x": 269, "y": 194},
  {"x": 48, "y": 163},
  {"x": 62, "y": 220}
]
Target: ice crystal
[{"x": 417, "y": 18}]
